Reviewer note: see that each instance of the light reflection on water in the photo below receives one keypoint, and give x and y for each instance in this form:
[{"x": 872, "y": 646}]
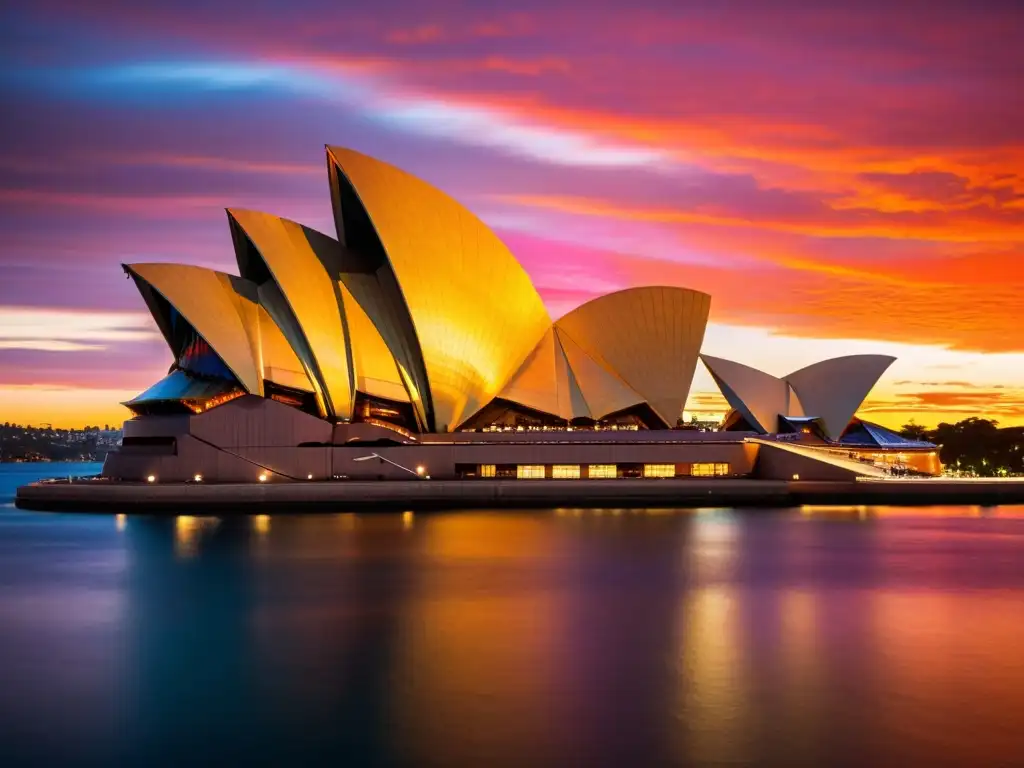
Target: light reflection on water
[{"x": 865, "y": 637}]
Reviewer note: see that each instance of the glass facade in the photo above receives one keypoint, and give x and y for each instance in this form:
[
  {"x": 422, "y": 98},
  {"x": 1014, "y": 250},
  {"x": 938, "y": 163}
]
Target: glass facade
[
  {"x": 530, "y": 471},
  {"x": 596, "y": 471},
  {"x": 565, "y": 471},
  {"x": 709, "y": 470},
  {"x": 196, "y": 356},
  {"x": 659, "y": 470},
  {"x": 180, "y": 392}
]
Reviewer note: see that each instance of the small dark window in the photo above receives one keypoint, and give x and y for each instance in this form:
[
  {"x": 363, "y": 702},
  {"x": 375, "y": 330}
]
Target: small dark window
[{"x": 159, "y": 445}]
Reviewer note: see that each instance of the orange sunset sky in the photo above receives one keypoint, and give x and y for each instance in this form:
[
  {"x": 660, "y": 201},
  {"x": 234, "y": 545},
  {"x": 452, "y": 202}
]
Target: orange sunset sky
[{"x": 840, "y": 177}]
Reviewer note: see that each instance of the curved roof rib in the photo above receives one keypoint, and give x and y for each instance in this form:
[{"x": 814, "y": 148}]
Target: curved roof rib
[
  {"x": 545, "y": 382},
  {"x": 831, "y": 390},
  {"x": 306, "y": 304},
  {"x": 280, "y": 363},
  {"x": 601, "y": 391},
  {"x": 537, "y": 383},
  {"x": 834, "y": 389},
  {"x": 209, "y": 302},
  {"x": 418, "y": 301},
  {"x": 376, "y": 371},
  {"x": 367, "y": 274},
  {"x": 648, "y": 337},
  {"x": 760, "y": 397},
  {"x": 472, "y": 311}
]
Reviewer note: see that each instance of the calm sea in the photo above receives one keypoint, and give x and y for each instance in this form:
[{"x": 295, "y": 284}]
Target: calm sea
[{"x": 859, "y": 637}]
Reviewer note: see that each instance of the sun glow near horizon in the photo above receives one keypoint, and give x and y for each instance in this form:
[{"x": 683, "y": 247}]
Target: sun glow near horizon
[
  {"x": 924, "y": 385},
  {"x": 63, "y": 407},
  {"x": 886, "y": 216}
]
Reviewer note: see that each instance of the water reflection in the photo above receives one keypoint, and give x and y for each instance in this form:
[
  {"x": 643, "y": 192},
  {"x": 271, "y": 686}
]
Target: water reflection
[
  {"x": 927, "y": 646},
  {"x": 481, "y": 644},
  {"x": 188, "y": 532},
  {"x": 575, "y": 637}
]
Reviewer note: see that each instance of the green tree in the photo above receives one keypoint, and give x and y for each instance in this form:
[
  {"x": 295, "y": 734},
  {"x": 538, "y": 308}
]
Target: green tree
[{"x": 914, "y": 431}]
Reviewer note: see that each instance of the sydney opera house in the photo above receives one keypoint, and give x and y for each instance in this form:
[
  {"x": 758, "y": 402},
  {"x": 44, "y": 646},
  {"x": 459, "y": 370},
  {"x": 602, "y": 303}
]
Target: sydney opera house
[{"x": 413, "y": 345}]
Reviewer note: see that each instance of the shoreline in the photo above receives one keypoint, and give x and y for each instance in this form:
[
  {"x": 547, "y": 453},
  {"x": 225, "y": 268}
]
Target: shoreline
[
  {"x": 101, "y": 497},
  {"x": 52, "y": 461}
]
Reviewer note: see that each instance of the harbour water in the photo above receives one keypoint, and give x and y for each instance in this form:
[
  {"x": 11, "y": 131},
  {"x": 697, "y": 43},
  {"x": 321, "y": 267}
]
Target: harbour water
[{"x": 858, "y": 636}]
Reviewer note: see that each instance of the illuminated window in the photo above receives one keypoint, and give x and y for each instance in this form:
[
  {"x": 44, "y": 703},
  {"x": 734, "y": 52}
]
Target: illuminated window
[
  {"x": 565, "y": 471},
  {"x": 659, "y": 470},
  {"x": 602, "y": 470},
  {"x": 486, "y": 470},
  {"x": 710, "y": 470},
  {"x": 530, "y": 471}
]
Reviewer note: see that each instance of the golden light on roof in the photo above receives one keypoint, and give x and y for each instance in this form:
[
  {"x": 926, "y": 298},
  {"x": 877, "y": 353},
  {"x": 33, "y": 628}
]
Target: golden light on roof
[
  {"x": 649, "y": 337},
  {"x": 207, "y": 300},
  {"x": 298, "y": 259},
  {"x": 417, "y": 301},
  {"x": 475, "y": 312}
]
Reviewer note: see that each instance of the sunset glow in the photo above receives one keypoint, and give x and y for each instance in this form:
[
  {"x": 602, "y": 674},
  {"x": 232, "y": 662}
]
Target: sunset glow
[{"x": 842, "y": 180}]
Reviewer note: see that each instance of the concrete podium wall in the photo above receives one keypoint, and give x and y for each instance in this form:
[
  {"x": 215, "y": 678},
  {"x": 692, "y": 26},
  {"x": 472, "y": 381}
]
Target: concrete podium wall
[
  {"x": 245, "y": 464},
  {"x": 250, "y": 436}
]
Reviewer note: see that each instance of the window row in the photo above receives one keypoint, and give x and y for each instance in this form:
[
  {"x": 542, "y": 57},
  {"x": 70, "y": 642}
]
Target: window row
[
  {"x": 709, "y": 470},
  {"x": 592, "y": 471}
]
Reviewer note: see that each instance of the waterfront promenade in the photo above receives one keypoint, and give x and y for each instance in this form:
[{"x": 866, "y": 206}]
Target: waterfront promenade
[{"x": 98, "y": 495}]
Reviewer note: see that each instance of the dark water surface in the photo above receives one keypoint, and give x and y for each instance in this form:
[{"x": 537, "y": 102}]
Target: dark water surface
[{"x": 714, "y": 637}]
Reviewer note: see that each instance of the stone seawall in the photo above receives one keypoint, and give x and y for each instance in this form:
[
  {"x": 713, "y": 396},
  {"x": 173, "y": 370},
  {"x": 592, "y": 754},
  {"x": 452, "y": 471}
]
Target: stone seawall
[{"x": 98, "y": 496}]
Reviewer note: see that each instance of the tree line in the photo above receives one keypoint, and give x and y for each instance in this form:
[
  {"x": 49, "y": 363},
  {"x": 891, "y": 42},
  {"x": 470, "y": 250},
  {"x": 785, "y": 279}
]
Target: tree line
[{"x": 975, "y": 446}]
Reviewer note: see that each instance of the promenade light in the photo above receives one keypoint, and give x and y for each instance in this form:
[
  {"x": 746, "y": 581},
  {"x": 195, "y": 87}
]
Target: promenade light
[
  {"x": 796, "y": 477},
  {"x": 263, "y": 477},
  {"x": 420, "y": 470},
  {"x": 198, "y": 478},
  {"x": 309, "y": 476},
  {"x": 151, "y": 479}
]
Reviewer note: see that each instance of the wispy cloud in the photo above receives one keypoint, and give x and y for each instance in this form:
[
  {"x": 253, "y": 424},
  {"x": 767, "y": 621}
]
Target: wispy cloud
[
  {"x": 400, "y": 108},
  {"x": 425, "y": 33},
  {"x": 213, "y": 163},
  {"x": 828, "y": 222},
  {"x": 838, "y": 179},
  {"x": 62, "y": 330}
]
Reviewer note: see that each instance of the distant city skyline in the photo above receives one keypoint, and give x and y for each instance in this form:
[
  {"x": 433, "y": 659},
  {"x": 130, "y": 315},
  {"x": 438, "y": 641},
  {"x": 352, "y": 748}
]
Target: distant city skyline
[{"x": 842, "y": 180}]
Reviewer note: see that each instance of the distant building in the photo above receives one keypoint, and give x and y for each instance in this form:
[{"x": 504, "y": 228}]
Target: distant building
[{"x": 25, "y": 443}]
